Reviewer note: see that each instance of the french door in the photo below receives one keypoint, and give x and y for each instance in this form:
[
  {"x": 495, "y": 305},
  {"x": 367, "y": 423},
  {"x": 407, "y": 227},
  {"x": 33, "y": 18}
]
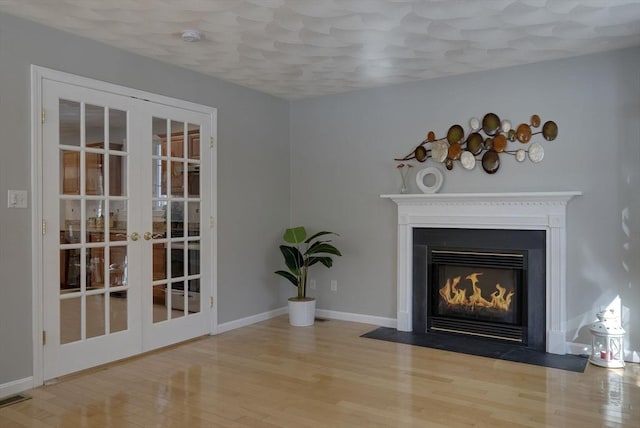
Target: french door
[{"x": 126, "y": 242}]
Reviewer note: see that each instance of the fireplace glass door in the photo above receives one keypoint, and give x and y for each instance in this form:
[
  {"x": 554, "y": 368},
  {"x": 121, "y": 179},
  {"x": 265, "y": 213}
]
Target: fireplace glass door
[{"x": 478, "y": 293}]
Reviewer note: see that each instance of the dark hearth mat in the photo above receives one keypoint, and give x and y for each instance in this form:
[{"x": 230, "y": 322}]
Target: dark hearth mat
[{"x": 482, "y": 348}]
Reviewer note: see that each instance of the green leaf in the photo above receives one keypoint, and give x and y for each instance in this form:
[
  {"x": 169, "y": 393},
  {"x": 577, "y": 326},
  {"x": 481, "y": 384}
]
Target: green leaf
[
  {"x": 292, "y": 258},
  {"x": 327, "y": 261},
  {"x": 313, "y": 246},
  {"x": 295, "y": 235},
  {"x": 324, "y": 232},
  {"x": 323, "y": 247},
  {"x": 289, "y": 276}
]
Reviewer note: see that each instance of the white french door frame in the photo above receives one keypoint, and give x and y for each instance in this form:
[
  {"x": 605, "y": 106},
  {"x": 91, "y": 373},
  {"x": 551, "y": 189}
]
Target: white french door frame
[{"x": 38, "y": 76}]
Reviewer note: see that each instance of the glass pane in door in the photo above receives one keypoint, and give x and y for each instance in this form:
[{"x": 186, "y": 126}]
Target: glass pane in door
[
  {"x": 193, "y": 218},
  {"x": 118, "y": 311},
  {"x": 70, "y": 321},
  {"x": 193, "y": 141},
  {"x": 69, "y": 113},
  {"x": 177, "y": 299},
  {"x": 176, "y": 218},
  {"x": 93, "y": 221},
  {"x": 159, "y": 303},
  {"x": 194, "y": 295},
  {"x": 118, "y": 130},
  {"x": 94, "y": 126},
  {"x": 95, "y": 315},
  {"x": 70, "y": 177}
]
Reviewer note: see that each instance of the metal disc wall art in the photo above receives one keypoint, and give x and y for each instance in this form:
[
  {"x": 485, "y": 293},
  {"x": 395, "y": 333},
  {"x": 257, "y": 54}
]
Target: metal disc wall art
[{"x": 486, "y": 141}]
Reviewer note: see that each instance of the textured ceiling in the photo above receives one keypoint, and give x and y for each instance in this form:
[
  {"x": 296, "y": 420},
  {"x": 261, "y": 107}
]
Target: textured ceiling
[{"x": 302, "y": 48}]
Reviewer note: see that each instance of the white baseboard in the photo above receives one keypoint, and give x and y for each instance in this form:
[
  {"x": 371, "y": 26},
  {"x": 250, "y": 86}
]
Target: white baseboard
[
  {"x": 323, "y": 313},
  {"x": 243, "y": 322},
  {"x": 15, "y": 386},
  {"x": 365, "y": 319}
]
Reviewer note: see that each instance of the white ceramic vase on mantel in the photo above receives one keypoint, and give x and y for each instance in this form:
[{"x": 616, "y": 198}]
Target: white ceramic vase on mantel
[{"x": 302, "y": 311}]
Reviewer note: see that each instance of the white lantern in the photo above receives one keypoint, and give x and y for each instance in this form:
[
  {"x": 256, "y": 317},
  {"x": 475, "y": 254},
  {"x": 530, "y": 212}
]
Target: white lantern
[{"x": 607, "y": 344}]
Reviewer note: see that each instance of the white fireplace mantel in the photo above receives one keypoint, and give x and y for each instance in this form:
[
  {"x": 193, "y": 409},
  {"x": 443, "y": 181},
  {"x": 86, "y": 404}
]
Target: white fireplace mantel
[{"x": 526, "y": 211}]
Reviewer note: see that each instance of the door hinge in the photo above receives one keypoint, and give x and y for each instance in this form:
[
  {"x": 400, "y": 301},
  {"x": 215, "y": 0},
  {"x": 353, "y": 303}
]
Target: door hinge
[
  {"x": 44, "y": 227},
  {"x": 212, "y": 221},
  {"x": 43, "y": 115},
  {"x": 44, "y": 337},
  {"x": 212, "y": 142},
  {"x": 211, "y": 302}
]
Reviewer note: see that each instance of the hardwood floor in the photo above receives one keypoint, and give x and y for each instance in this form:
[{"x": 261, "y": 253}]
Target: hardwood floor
[{"x": 273, "y": 375}]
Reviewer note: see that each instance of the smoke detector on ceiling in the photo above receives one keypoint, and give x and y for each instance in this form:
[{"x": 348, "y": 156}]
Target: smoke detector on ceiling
[{"x": 191, "y": 36}]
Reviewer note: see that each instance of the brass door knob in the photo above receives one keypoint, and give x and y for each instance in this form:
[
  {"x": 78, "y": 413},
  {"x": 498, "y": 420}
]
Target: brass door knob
[
  {"x": 147, "y": 236},
  {"x": 135, "y": 236}
]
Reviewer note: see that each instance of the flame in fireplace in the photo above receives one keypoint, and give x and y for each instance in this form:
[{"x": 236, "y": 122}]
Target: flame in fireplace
[{"x": 453, "y": 295}]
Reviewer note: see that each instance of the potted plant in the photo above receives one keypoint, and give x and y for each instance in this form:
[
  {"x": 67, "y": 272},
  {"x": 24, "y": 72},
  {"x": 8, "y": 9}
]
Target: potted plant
[{"x": 301, "y": 254}]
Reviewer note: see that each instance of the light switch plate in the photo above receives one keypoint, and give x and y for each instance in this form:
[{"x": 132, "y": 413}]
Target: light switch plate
[{"x": 17, "y": 199}]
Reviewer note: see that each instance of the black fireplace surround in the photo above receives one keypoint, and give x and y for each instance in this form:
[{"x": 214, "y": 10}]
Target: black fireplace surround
[{"x": 492, "y": 269}]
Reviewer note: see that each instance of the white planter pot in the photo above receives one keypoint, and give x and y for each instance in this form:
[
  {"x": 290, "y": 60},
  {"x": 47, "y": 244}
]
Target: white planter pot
[{"x": 302, "y": 312}]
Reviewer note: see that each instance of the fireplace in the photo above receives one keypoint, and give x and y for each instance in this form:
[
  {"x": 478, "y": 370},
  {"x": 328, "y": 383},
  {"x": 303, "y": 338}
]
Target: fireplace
[
  {"x": 542, "y": 212},
  {"x": 480, "y": 282}
]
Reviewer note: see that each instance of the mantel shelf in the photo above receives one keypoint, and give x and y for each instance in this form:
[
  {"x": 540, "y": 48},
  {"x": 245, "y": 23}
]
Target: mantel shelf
[{"x": 537, "y": 197}]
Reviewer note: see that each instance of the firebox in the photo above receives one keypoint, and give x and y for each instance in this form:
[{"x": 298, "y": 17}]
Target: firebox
[
  {"x": 482, "y": 283},
  {"x": 480, "y": 293}
]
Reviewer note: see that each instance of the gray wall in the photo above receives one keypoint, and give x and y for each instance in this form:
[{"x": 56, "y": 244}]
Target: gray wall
[
  {"x": 253, "y": 173},
  {"x": 342, "y": 160}
]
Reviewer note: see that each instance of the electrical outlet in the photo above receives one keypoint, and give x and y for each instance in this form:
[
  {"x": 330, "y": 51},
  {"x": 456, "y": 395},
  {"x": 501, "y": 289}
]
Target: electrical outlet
[
  {"x": 17, "y": 199},
  {"x": 312, "y": 284},
  {"x": 334, "y": 285}
]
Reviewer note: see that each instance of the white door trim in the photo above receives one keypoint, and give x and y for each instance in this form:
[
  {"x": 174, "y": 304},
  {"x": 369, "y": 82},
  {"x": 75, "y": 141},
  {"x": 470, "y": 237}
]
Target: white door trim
[{"x": 38, "y": 74}]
